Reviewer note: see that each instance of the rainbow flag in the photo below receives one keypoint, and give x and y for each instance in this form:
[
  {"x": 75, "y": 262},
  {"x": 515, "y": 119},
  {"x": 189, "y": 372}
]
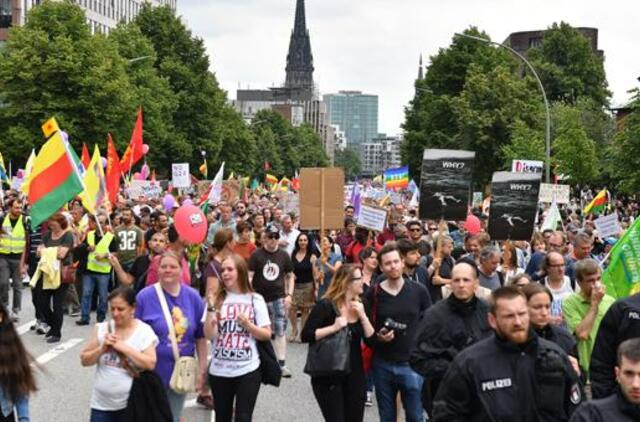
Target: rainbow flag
[
  {"x": 597, "y": 205},
  {"x": 3, "y": 171},
  {"x": 395, "y": 179},
  {"x": 54, "y": 179}
]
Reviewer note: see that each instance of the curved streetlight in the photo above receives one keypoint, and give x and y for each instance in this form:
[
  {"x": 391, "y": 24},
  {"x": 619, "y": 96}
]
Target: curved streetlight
[{"x": 544, "y": 96}]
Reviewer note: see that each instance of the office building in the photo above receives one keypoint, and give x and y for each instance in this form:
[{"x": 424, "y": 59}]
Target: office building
[
  {"x": 382, "y": 153},
  {"x": 102, "y": 15},
  {"x": 356, "y": 114},
  {"x": 523, "y": 41}
]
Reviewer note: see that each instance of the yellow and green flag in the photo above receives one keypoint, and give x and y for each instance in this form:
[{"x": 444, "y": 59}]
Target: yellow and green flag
[
  {"x": 622, "y": 276},
  {"x": 95, "y": 187}
]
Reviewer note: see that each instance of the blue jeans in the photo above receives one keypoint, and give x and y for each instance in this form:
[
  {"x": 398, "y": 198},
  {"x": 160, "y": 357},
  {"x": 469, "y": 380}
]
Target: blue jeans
[
  {"x": 107, "y": 415},
  {"x": 89, "y": 282},
  {"x": 176, "y": 403},
  {"x": 391, "y": 378}
]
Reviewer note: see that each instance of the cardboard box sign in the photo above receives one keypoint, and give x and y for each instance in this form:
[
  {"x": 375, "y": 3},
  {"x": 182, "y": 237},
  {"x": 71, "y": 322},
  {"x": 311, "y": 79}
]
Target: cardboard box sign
[{"x": 314, "y": 207}]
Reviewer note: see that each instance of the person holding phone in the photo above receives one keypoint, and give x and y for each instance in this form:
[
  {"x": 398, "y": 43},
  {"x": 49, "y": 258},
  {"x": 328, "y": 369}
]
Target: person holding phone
[
  {"x": 584, "y": 310},
  {"x": 395, "y": 306}
]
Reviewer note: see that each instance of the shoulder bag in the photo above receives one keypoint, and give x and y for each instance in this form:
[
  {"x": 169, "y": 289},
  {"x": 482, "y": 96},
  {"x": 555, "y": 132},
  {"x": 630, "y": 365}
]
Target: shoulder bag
[
  {"x": 269, "y": 365},
  {"x": 331, "y": 355},
  {"x": 185, "y": 371}
]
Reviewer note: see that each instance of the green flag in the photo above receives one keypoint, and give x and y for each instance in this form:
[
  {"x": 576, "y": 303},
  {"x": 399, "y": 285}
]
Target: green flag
[{"x": 622, "y": 276}]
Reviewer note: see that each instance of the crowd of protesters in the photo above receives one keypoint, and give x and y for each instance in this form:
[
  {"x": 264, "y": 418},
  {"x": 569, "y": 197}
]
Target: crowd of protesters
[{"x": 441, "y": 322}]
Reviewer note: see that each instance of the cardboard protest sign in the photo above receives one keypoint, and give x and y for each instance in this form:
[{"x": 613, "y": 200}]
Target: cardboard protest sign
[
  {"x": 608, "y": 225},
  {"x": 321, "y": 198},
  {"x": 445, "y": 184},
  {"x": 372, "y": 218},
  {"x": 561, "y": 192},
  {"x": 180, "y": 176},
  {"x": 146, "y": 188},
  {"x": 514, "y": 202}
]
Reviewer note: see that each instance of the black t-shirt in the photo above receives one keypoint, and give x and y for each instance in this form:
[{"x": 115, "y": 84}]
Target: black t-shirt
[
  {"x": 139, "y": 270},
  {"x": 65, "y": 240},
  {"x": 407, "y": 308},
  {"x": 269, "y": 270}
]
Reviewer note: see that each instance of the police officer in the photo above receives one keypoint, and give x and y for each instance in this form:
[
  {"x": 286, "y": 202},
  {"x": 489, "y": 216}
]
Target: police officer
[
  {"x": 511, "y": 376},
  {"x": 621, "y": 322},
  {"x": 13, "y": 247},
  {"x": 448, "y": 327},
  {"x": 624, "y": 404}
]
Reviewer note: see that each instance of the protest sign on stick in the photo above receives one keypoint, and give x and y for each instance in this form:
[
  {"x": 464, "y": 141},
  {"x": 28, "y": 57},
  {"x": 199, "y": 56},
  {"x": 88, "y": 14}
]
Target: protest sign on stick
[
  {"x": 321, "y": 198},
  {"x": 445, "y": 184},
  {"x": 372, "y": 218},
  {"x": 514, "y": 203}
]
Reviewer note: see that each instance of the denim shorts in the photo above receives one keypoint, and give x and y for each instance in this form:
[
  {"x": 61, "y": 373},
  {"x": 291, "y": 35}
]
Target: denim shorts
[{"x": 278, "y": 316}]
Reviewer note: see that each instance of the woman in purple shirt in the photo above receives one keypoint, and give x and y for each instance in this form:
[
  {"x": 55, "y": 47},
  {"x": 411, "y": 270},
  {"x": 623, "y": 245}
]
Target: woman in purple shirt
[{"x": 187, "y": 310}]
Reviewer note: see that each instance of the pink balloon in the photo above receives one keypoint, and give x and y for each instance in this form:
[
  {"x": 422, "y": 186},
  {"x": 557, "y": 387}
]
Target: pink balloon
[
  {"x": 191, "y": 224},
  {"x": 137, "y": 176},
  {"x": 472, "y": 224},
  {"x": 103, "y": 160},
  {"x": 168, "y": 202},
  {"x": 187, "y": 201},
  {"x": 145, "y": 148}
]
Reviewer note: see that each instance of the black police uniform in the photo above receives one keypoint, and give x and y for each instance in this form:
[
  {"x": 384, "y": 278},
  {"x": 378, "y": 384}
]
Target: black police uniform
[
  {"x": 561, "y": 337},
  {"x": 620, "y": 323},
  {"x": 498, "y": 381},
  {"x": 446, "y": 328},
  {"x": 615, "y": 408}
]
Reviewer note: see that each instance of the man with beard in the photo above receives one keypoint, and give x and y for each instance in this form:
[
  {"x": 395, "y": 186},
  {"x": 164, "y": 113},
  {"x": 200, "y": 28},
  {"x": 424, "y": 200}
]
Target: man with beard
[
  {"x": 410, "y": 253},
  {"x": 513, "y": 375},
  {"x": 160, "y": 225},
  {"x": 241, "y": 212},
  {"x": 624, "y": 404},
  {"x": 447, "y": 328},
  {"x": 131, "y": 239}
]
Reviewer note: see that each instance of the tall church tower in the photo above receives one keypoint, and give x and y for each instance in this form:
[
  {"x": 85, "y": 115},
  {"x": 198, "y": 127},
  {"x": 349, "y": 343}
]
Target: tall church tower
[{"x": 299, "y": 59}]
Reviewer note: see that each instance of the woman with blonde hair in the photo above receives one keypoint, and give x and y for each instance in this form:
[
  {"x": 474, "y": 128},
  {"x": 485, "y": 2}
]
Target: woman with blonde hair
[
  {"x": 236, "y": 319},
  {"x": 441, "y": 267},
  {"x": 341, "y": 397}
]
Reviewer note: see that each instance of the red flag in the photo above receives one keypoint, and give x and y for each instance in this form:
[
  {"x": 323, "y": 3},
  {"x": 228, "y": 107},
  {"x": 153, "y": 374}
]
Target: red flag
[
  {"x": 86, "y": 159},
  {"x": 135, "y": 150},
  {"x": 113, "y": 171}
]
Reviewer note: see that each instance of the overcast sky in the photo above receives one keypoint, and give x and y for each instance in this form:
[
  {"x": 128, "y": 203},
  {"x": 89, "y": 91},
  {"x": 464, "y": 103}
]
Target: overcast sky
[{"x": 374, "y": 45}]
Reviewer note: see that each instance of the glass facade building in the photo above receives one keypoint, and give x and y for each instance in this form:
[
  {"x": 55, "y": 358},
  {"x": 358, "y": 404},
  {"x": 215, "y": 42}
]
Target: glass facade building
[{"x": 356, "y": 114}]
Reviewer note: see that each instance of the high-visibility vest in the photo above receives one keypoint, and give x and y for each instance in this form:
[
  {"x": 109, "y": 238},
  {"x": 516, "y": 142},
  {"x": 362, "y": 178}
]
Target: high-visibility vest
[
  {"x": 94, "y": 264},
  {"x": 12, "y": 239}
]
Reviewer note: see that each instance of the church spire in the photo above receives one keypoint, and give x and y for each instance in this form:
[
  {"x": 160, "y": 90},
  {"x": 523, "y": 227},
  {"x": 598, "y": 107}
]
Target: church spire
[
  {"x": 299, "y": 59},
  {"x": 420, "y": 70}
]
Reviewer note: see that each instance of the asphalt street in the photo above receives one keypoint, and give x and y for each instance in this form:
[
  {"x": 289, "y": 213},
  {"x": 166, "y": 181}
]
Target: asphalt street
[{"x": 65, "y": 386}]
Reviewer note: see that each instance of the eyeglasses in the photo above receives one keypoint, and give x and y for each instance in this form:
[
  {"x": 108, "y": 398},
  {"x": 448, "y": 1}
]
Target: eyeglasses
[
  {"x": 556, "y": 245},
  {"x": 356, "y": 278},
  {"x": 433, "y": 229},
  {"x": 416, "y": 230}
]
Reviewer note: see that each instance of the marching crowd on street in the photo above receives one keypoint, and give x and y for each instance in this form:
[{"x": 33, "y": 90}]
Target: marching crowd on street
[{"x": 430, "y": 319}]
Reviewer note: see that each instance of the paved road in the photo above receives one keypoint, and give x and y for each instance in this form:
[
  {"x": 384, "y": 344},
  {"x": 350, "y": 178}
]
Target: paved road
[{"x": 65, "y": 386}]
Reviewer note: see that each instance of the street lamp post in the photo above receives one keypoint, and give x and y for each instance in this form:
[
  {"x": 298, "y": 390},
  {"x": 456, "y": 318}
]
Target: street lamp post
[{"x": 544, "y": 96}]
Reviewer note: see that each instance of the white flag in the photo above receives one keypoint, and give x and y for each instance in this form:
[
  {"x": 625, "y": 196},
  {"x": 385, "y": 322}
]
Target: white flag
[
  {"x": 215, "y": 194},
  {"x": 553, "y": 217}
]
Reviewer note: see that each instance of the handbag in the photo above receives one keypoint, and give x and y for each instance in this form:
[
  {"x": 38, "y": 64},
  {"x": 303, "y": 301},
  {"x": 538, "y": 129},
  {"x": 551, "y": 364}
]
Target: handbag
[
  {"x": 366, "y": 351},
  {"x": 269, "y": 365},
  {"x": 68, "y": 273},
  {"x": 331, "y": 355},
  {"x": 185, "y": 371}
]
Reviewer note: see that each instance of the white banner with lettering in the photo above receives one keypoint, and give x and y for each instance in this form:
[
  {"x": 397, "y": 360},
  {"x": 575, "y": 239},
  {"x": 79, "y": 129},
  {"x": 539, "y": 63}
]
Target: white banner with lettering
[
  {"x": 180, "y": 177},
  {"x": 547, "y": 190},
  {"x": 608, "y": 225},
  {"x": 372, "y": 218}
]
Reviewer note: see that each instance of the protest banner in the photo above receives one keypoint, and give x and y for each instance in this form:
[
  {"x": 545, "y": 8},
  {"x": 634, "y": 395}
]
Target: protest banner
[
  {"x": 321, "y": 198},
  {"x": 290, "y": 202},
  {"x": 445, "y": 184},
  {"x": 527, "y": 166},
  {"x": 180, "y": 177},
  {"x": 146, "y": 188},
  {"x": 372, "y": 218},
  {"x": 608, "y": 225},
  {"x": 514, "y": 203},
  {"x": 562, "y": 193}
]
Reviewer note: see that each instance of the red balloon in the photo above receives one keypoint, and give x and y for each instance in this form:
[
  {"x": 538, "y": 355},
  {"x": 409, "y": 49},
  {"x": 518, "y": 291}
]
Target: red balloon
[
  {"x": 191, "y": 224},
  {"x": 472, "y": 224}
]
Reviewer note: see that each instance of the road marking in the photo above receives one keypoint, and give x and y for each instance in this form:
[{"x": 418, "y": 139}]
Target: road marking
[
  {"x": 58, "y": 350},
  {"x": 194, "y": 404},
  {"x": 24, "y": 328}
]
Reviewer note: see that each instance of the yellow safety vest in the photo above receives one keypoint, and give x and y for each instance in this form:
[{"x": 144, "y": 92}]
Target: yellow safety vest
[
  {"x": 94, "y": 264},
  {"x": 12, "y": 239}
]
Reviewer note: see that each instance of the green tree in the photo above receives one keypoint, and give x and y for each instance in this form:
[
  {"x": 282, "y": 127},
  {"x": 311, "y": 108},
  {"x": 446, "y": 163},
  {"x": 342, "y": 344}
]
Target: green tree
[
  {"x": 568, "y": 67},
  {"x": 154, "y": 95},
  {"x": 349, "y": 160},
  {"x": 53, "y": 66},
  {"x": 199, "y": 118},
  {"x": 574, "y": 153},
  {"x": 239, "y": 151},
  {"x": 625, "y": 151},
  {"x": 311, "y": 147},
  {"x": 526, "y": 144}
]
